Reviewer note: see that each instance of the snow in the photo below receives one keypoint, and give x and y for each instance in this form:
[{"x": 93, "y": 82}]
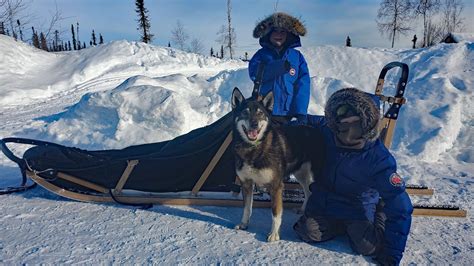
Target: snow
[{"x": 124, "y": 93}]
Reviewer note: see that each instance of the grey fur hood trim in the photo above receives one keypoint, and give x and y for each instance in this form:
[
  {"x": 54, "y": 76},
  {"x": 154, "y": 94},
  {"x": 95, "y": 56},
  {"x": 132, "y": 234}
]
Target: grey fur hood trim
[
  {"x": 362, "y": 103},
  {"x": 279, "y": 20}
]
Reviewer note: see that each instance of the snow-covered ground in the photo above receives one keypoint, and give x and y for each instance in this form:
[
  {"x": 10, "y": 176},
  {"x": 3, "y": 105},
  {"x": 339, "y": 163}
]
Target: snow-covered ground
[{"x": 124, "y": 93}]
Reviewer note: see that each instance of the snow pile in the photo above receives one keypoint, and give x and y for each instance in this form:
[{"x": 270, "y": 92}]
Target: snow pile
[
  {"x": 125, "y": 93},
  {"x": 32, "y": 74},
  {"x": 140, "y": 110}
]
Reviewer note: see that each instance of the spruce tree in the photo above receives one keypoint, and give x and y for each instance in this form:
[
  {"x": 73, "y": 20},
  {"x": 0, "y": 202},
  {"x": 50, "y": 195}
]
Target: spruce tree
[
  {"x": 77, "y": 34},
  {"x": 101, "y": 40},
  {"x": 348, "y": 42},
  {"x": 212, "y": 51},
  {"x": 73, "y": 37},
  {"x": 143, "y": 21},
  {"x": 94, "y": 40},
  {"x": 222, "y": 51},
  {"x": 20, "y": 29},
  {"x": 35, "y": 38},
  {"x": 43, "y": 43}
]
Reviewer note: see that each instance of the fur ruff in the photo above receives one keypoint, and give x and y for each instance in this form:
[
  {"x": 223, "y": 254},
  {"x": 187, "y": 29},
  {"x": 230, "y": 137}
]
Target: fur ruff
[
  {"x": 362, "y": 103},
  {"x": 279, "y": 20}
]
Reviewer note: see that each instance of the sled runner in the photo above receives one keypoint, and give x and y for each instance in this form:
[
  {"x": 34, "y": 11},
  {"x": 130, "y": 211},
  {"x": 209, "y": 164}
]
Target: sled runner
[{"x": 193, "y": 169}]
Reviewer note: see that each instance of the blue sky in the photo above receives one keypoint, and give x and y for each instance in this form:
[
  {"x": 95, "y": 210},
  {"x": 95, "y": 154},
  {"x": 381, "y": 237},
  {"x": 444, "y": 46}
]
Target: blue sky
[{"x": 328, "y": 22}]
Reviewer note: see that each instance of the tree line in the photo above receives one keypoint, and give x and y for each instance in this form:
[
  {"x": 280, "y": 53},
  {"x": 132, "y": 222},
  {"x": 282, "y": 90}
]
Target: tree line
[
  {"x": 13, "y": 18},
  {"x": 226, "y": 35},
  {"x": 438, "y": 18}
]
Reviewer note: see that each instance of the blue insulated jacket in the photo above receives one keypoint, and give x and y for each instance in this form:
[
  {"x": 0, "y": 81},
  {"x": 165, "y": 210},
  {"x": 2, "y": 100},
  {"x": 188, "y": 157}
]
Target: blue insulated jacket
[
  {"x": 351, "y": 182},
  {"x": 290, "y": 83}
]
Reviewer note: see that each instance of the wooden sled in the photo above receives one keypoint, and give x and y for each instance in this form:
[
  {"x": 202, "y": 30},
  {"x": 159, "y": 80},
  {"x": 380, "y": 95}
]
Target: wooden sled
[{"x": 130, "y": 176}]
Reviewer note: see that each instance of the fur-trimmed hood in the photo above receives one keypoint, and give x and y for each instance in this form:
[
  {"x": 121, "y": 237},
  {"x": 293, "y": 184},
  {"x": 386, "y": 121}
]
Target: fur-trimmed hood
[
  {"x": 362, "y": 103},
  {"x": 279, "y": 20}
]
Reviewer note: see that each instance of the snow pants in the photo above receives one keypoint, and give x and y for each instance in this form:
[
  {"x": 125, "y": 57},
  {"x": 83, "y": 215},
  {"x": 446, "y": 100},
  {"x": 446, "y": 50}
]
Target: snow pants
[{"x": 365, "y": 237}]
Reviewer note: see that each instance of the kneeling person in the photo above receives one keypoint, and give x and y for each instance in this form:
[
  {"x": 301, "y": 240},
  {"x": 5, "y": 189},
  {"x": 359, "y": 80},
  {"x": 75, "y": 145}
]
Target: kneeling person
[{"x": 358, "y": 191}]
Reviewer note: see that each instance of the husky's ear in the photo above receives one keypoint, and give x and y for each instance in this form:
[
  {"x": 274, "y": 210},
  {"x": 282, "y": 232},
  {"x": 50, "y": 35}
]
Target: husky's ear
[
  {"x": 268, "y": 101},
  {"x": 237, "y": 98}
]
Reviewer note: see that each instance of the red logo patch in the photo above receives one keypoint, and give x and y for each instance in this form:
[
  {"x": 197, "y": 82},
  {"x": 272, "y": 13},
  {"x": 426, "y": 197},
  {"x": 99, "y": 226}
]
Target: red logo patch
[
  {"x": 396, "y": 180},
  {"x": 292, "y": 71}
]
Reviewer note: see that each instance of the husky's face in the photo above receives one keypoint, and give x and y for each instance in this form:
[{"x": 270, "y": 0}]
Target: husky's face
[{"x": 252, "y": 117}]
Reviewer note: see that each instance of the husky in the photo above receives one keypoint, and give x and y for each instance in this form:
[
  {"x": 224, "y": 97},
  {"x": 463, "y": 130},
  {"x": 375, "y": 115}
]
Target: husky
[{"x": 266, "y": 153}]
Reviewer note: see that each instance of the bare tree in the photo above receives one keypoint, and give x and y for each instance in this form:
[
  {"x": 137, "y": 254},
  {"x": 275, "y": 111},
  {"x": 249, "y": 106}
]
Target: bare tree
[
  {"x": 143, "y": 21},
  {"x": 179, "y": 36},
  {"x": 452, "y": 20},
  {"x": 226, "y": 35},
  {"x": 11, "y": 11},
  {"x": 393, "y": 18},
  {"x": 434, "y": 33},
  {"x": 196, "y": 46},
  {"x": 426, "y": 9},
  {"x": 56, "y": 18}
]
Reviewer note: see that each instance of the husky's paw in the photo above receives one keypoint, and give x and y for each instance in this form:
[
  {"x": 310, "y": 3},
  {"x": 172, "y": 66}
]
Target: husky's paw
[
  {"x": 241, "y": 226},
  {"x": 273, "y": 237}
]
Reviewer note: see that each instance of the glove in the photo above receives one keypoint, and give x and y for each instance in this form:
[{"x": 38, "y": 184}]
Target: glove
[{"x": 385, "y": 260}]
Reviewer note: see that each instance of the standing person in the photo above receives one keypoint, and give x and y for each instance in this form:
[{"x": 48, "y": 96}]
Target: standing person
[
  {"x": 285, "y": 68},
  {"x": 358, "y": 191}
]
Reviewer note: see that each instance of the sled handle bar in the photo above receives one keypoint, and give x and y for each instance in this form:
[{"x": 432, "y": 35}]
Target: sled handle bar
[
  {"x": 402, "y": 82},
  {"x": 9, "y": 154}
]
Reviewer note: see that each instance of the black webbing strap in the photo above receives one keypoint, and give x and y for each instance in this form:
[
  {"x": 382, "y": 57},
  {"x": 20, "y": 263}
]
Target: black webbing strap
[
  {"x": 143, "y": 206},
  {"x": 258, "y": 80}
]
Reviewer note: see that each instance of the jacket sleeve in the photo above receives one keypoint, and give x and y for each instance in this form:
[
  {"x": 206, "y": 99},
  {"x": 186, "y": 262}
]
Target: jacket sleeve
[
  {"x": 272, "y": 69},
  {"x": 398, "y": 207},
  {"x": 302, "y": 87}
]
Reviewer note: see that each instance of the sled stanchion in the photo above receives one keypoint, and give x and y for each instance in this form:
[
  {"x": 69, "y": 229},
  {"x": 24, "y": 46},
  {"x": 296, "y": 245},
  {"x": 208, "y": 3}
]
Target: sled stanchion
[
  {"x": 125, "y": 175},
  {"x": 390, "y": 117},
  {"x": 212, "y": 164}
]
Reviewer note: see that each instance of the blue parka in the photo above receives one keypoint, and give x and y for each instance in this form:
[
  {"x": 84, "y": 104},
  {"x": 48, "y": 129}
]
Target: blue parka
[
  {"x": 286, "y": 74},
  {"x": 352, "y": 181}
]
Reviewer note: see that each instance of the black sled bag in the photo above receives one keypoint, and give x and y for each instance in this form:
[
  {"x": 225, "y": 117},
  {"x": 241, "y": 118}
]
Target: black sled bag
[{"x": 168, "y": 166}]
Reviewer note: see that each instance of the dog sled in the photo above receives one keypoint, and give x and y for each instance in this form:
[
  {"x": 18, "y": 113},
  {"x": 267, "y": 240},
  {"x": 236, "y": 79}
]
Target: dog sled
[{"x": 193, "y": 169}]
